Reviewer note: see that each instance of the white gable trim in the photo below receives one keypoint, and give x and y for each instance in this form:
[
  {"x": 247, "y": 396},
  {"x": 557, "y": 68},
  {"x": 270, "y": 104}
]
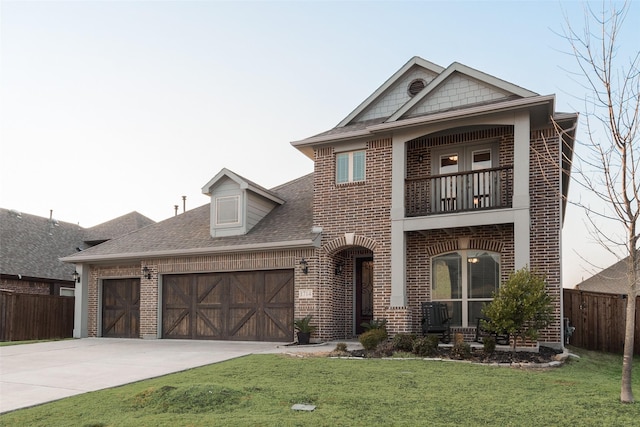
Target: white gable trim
[
  {"x": 416, "y": 60},
  {"x": 468, "y": 71},
  {"x": 468, "y": 112},
  {"x": 243, "y": 183},
  {"x": 478, "y": 110}
]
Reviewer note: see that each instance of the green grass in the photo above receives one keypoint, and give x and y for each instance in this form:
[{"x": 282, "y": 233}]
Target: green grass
[{"x": 259, "y": 390}]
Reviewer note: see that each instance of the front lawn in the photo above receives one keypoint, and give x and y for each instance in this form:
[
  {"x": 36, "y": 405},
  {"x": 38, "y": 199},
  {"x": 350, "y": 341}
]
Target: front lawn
[{"x": 260, "y": 390}]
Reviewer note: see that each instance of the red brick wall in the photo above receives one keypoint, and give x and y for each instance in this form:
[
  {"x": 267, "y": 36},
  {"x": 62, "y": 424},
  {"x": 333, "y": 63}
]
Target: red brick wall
[
  {"x": 544, "y": 187},
  {"x": 364, "y": 209}
]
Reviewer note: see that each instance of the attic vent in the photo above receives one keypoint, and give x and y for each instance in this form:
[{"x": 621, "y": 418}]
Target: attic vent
[{"x": 415, "y": 87}]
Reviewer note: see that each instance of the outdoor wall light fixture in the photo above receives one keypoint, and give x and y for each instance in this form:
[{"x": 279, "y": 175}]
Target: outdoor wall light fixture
[
  {"x": 420, "y": 158},
  {"x": 76, "y": 276},
  {"x": 339, "y": 269},
  {"x": 146, "y": 272},
  {"x": 305, "y": 266}
]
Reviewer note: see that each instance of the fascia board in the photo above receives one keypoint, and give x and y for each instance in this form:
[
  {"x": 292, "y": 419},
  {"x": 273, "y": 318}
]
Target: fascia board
[
  {"x": 329, "y": 138},
  {"x": 265, "y": 194},
  {"x": 467, "y": 112},
  {"x": 252, "y": 247},
  {"x": 463, "y": 69},
  {"x": 388, "y": 83},
  {"x": 206, "y": 189},
  {"x": 494, "y": 81}
]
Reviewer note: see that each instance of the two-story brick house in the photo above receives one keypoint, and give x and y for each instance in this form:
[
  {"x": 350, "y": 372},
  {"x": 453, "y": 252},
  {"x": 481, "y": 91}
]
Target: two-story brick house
[{"x": 436, "y": 187}]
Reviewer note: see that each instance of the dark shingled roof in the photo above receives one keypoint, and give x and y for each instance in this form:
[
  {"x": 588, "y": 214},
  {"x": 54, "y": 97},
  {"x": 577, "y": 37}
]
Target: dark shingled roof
[
  {"x": 289, "y": 222},
  {"x": 611, "y": 280},
  {"x": 117, "y": 227},
  {"x": 31, "y": 246}
]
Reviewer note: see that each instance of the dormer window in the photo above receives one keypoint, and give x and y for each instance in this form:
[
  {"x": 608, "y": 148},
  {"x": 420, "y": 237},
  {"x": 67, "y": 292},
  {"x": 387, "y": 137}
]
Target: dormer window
[
  {"x": 237, "y": 204},
  {"x": 227, "y": 210}
]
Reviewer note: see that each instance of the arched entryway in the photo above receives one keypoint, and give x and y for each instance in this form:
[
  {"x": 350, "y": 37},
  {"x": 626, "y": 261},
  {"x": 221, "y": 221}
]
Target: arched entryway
[{"x": 353, "y": 296}]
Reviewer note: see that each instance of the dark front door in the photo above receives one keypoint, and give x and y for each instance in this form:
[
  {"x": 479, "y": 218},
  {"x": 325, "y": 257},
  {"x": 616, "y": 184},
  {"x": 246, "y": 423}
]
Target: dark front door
[
  {"x": 249, "y": 305},
  {"x": 121, "y": 308},
  {"x": 364, "y": 292}
]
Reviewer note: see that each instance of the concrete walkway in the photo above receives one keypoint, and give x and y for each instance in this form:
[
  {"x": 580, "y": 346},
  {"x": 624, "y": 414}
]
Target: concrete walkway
[{"x": 31, "y": 374}]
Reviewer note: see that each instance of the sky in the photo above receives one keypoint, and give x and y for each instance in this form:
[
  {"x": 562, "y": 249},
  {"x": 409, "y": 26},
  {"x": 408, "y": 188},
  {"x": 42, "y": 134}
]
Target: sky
[{"x": 108, "y": 107}]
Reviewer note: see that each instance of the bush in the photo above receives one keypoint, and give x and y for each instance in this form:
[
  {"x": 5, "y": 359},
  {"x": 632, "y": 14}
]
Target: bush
[
  {"x": 461, "y": 350},
  {"x": 375, "y": 324},
  {"x": 404, "y": 342},
  {"x": 341, "y": 347},
  {"x": 372, "y": 338},
  {"x": 521, "y": 307},
  {"x": 489, "y": 345},
  {"x": 384, "y": 349},
  {"x": 426, "y": 346}
]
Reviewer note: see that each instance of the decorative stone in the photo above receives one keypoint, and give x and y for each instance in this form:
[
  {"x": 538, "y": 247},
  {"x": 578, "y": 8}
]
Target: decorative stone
[{"x": 303, "y": 407}]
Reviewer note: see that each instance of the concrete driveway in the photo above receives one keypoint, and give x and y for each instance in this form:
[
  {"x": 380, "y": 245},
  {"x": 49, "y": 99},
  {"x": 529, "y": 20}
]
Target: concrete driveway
[{"x": 31, "y": 374}]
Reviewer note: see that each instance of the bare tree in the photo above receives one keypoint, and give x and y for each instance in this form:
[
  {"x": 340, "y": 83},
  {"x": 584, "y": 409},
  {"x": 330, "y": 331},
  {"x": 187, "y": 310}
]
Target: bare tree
[{"x": 608, "y": 163}]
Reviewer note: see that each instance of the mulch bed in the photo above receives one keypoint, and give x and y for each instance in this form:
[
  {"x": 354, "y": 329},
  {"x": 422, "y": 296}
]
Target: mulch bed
[{"x": 544, "y": 355}]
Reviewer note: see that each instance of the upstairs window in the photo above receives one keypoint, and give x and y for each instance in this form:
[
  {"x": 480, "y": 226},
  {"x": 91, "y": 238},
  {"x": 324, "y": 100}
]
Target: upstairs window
[
  {"x": 350, "y": 167},
  {"x": 227, "y": 210}
]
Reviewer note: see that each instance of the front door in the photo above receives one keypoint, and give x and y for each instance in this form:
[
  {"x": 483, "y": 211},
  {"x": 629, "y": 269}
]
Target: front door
[{"x": 364, "y": 292}]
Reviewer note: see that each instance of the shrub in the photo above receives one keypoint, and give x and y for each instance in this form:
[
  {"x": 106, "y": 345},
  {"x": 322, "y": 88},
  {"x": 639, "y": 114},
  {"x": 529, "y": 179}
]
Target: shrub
[
  {"x": 489, "y": 345},
  {"x": 341, "y": 347},
  {"x": 375, "y": 324},
  {"x": 384, "y": 349},
  {"x": 426, "y": 346},
  {"x": 521, "y": 307},
  {"x": 461, "y": 350},
  {"x": 372, "y": 338},
  {"x": 404, "y": 342}
]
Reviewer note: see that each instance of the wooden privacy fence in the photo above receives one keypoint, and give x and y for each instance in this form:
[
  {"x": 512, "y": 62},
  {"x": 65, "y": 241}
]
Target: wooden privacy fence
[
  {"x": 599, "y": 320},
  {"x": 35, "y": 317}
]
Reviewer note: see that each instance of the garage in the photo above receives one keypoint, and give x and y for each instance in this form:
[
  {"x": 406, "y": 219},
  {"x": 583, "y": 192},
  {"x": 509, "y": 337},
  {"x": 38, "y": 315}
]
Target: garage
[
  {"x": 121, "y": 308},
  {"x": 243, "y": 306}
]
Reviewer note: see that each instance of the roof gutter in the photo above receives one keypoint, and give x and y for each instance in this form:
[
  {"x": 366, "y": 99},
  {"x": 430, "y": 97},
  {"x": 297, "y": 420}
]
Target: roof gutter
[
  {"x": 429, "y": 119},
  {"x": 252, "y": 247}
]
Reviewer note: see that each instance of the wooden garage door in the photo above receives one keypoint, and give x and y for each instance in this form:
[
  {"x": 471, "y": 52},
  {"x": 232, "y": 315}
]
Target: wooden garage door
[
  {"x": 121, "y": 308},
  {"x": 245, "y": 306}
]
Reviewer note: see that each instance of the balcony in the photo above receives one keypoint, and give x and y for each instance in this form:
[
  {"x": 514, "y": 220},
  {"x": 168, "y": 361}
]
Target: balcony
[{"x": 459, "y": 192}]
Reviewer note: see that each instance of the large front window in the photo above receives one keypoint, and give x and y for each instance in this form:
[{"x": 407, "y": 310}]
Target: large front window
[{"x": 465, "y": 281}]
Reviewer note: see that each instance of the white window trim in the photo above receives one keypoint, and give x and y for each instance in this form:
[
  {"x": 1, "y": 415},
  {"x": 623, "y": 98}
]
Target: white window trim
[
  {"x": 350, "y": 167},
  {"x": 217, "y": 211},
  {"x": 464, "y": 300},
  {"x": 70, "y": 291},
  {"x": 465, "y": 155}
]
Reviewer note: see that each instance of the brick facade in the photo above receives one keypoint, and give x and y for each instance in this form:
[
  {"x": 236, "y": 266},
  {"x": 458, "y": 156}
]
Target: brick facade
[
  {"x": 149, "y": 288},
  {"x": 364, "y": 209},
  {"x": 34, "y": 286}
]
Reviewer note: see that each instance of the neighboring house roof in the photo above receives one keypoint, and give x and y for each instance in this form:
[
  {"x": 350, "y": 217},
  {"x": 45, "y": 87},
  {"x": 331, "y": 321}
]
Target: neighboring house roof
[
  {"x": 287, "y": 225},
  {"x": 31, "y": 246},
  {"x": 117, "y": 227},
  {"x": 611, "y": 280}
]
